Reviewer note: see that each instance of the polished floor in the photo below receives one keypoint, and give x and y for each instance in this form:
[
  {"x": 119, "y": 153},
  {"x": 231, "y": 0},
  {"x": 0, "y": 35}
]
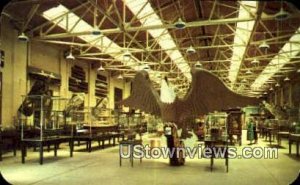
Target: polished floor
[{"x": 102, "y": 167}]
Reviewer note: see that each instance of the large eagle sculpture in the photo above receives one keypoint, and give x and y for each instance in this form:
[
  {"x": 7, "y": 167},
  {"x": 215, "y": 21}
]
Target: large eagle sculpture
[{"x": 207, "y": 93}]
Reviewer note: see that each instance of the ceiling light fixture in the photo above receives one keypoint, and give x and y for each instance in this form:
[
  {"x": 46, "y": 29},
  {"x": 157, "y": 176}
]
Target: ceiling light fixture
[
  {"x": 23, "y": 37},
  {"x": 298, "y": 71},
  {"x": 271, "y": 89},
  {"x": 286, "y": 79},
  {"x": 244, "y": 80},
  {"x": 126, "y": 55},
  {"x": 96, "y": 31},
  {"x": 248, "y": 72},
  {"x": 179, "y": 24},
  {"x": 277, "y": 85},
  {"x": 120, "y": 77},
  {"x": 265, "y": 93},
  {"x": 100, "y": 68},
  {"x": 264, "y": 45},
  {"x": 146, "y": 67},
  {"x": 198, "y": 65},
  {"x": 191, "y": 50},
  {"x": 70, "y": 56},
  {"x": 254, "y": 62},
  {"x": 282, "y": 15}
]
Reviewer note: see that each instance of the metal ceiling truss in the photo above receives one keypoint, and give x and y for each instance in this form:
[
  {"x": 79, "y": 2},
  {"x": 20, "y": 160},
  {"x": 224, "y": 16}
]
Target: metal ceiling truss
[{"x": 218, "y": 46}]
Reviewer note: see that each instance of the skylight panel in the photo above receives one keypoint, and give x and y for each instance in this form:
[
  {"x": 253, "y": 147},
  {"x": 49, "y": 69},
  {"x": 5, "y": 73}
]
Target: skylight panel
[
  {"x": 289, "y": 50},
  {"x": 148, "y": 17},
  {"x": 242, "y": 35},
  {"x": 106, "y": 44}
]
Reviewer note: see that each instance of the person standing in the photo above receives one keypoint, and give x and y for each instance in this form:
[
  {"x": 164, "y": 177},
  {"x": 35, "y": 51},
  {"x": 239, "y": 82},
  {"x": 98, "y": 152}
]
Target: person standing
[
  {"x": 250, "y": 133},
  {"x": 255, "y": 125}
]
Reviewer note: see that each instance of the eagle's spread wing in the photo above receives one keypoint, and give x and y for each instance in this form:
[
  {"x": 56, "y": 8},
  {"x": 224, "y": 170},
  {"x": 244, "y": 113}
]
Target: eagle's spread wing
[
  {"x": 143, "y": 96},
  {"x": 207, "y": 94}
]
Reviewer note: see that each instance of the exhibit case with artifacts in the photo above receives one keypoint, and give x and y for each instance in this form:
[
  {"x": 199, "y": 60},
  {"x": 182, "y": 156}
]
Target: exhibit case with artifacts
[
  {"x": 95, "y": 124},
  {"x": 43, "y": 116},
  {"x": 216, "y": 125},
  {"x": 234, "y": 125},
  {"x": 131, "y": 123},
  {"x": 44, "y": 122}
]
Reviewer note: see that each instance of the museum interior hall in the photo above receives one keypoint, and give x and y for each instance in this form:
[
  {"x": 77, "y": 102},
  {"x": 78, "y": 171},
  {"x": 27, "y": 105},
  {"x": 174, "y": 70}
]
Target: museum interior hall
[{"x": 150, "y": 92}]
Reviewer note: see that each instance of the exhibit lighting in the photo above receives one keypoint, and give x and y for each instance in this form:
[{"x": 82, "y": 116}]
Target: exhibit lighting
[
  {"x": 179, "y": 24},
  {"x": 23, "y": 37},
  {"x": 70, "y": 56}
]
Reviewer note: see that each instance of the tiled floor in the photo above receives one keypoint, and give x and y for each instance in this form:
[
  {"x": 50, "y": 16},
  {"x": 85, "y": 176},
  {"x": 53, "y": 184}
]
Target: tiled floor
[{"x": 102, "y": 167}]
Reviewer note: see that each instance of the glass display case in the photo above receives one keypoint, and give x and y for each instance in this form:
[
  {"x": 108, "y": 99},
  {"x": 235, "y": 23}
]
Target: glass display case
[
  {"x": 131, "y": 123},
  {"x": 44, "y": 122},
  {"x": 216, "y": 125},
  {"x": 88, "y": 120},
  {"x": 43, "y": 116},
  {"x": 234, "y": 125}
]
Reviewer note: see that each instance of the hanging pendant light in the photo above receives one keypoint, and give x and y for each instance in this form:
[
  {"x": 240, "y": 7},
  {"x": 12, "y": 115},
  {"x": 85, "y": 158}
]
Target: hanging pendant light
[
  {"x": 198, "y": 65},
  {"x": 96, "y": 31},
  {"x": 126, "y": 55},
  {"x": 255, "y": 62},
  {"x": 264, "y": 45},
  {"x": 146, "y": 67},
  {"x": 101, "y": 68},
  {"x": 70, "y": 56},
  {"x": 277, "y": 85},
  {"x": 23, "y": 37},
  {"x": 248, "y": 72},
  {"x": 120, "y": 77},
  {"x": 286, "y": 79},
  {"x": 179, "y": 24},
  {"x": 191, "y": 50},
  {"x": 282, "y": 15}
]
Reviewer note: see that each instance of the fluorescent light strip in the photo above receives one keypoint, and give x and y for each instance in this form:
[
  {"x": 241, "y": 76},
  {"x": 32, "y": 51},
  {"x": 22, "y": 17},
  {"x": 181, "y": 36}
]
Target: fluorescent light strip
[
  {"x": 148, "y": 17},
  {"x": 289, "y": 50},
  {"x": 105, "y": 44},
  {"x": 242, "y": 35}
]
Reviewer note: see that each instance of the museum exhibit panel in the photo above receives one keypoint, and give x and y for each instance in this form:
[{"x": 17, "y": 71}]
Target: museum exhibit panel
[{"x": 150, "y": 92}]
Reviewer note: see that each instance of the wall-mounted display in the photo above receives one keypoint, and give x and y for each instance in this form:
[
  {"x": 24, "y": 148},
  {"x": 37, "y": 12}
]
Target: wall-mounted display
[
  {"x": 101, "y": 86},
  {"x": 77, "y": 80}
]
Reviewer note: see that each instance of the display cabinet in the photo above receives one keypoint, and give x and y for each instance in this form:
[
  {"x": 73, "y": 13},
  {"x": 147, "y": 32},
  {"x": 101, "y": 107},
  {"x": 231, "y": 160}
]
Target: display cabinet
[
  {"x": 131, "y": 123},
  {"x": 95, "y": 125},
  {"x": 47, "y": 117},
  {"x": 234, "y": 125},
  {"x": 216, "y": 125},
  {"x": 46, "y": 123},
  {"x": 77, "y": 80},
  {"x": 101, "y": 86},
  {"x": 216, "y": 137}
]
